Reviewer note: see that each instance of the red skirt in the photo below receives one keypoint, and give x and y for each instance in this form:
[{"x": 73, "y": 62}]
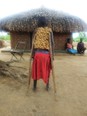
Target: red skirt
[{"x": 41, "y": 66}]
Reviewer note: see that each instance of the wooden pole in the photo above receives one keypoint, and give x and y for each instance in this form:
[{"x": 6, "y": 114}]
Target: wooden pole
[
  {"x": 53, "y": 74},
  {"x": 30, "y": 65}
]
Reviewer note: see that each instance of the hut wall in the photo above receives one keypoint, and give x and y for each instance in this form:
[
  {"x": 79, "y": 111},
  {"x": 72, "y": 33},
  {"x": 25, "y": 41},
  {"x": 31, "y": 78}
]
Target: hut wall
[
  {"x": 20, "y": 36},
  {"x": 60, "y": 40}
]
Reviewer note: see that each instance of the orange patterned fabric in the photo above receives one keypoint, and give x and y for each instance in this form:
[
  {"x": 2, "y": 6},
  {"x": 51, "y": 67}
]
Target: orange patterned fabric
[{"x": 42, "y": 38}]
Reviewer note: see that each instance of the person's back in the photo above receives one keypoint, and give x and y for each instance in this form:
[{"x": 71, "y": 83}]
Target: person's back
[
  {"x": 41, "y": 52},
  {"x": 42, "y": 38}
]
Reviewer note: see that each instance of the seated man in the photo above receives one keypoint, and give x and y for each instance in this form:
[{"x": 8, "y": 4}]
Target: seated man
[{"x": 80, "y": 47}]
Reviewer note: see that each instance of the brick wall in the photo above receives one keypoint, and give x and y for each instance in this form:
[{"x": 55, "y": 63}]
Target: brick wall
[
  {"x": 15, "y": 37},
  {"x": 59, "y": 39}
]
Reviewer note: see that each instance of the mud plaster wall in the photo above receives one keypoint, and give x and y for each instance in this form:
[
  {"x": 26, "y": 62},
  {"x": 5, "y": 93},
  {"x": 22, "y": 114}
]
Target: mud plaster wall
[{"x": 59, "y": 39}]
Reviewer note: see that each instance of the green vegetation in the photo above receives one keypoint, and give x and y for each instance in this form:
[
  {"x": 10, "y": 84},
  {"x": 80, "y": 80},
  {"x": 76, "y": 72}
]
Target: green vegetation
[
  {"x": 80, "y": 35},
  {"x": 5, "y": 37}
]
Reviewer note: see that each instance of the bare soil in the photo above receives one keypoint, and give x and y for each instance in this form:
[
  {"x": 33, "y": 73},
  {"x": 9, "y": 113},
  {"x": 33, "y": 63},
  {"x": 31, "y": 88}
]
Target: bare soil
[{"x": 71, "y": 85}]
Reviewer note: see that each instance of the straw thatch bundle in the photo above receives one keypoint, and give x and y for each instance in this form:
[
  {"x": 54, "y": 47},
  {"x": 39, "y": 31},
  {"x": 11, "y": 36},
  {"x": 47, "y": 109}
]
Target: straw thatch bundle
[
  {"x": 7, "y": 70},
  {"x": 27, "y": 21}
]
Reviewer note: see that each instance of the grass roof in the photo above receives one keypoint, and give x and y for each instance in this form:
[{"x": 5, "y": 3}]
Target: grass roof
[{"x": 57, "y": 20}]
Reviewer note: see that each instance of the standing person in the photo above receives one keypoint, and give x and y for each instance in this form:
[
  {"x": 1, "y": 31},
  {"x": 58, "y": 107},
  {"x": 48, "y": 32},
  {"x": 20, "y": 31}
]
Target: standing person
[
  {"x": 80, "y": 47},
  {"x": 69, "y": 47},
  {"x": 41, "y": 65}
]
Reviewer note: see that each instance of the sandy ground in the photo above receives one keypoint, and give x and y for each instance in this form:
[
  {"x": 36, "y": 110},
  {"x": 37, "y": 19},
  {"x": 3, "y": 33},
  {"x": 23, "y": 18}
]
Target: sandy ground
[{"x": 71, "y": 84}]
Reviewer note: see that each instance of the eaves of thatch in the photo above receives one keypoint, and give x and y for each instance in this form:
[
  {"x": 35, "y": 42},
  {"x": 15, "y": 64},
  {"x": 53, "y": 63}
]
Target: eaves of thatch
[{"x": 58, "y": 21}]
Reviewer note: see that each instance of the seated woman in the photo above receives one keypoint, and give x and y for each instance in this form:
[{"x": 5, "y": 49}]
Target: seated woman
[
  {"x": 80, "y": 47},
  {"x": 69, "y": 47}
]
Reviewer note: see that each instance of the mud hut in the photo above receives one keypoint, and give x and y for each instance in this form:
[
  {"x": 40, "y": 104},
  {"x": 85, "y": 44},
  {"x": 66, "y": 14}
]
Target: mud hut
[{"x": 21, "y": 26}]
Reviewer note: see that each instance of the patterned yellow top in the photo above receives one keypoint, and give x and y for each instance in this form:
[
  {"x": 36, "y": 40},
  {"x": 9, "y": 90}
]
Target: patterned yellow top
[{"x": 42, "y": 38}]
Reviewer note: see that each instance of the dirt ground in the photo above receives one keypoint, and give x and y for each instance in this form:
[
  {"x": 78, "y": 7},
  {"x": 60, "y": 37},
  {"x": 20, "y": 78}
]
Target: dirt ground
[{"x": 71, "y": 85}]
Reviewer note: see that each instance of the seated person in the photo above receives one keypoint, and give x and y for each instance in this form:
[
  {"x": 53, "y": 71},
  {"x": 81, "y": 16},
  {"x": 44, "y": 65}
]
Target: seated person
[
  {"x": 69, "y": 47},
  {"x": 80, "y": 47}
]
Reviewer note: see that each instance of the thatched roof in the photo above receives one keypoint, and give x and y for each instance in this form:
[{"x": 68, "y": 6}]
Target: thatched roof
[{"x": 27, "y": 21}]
